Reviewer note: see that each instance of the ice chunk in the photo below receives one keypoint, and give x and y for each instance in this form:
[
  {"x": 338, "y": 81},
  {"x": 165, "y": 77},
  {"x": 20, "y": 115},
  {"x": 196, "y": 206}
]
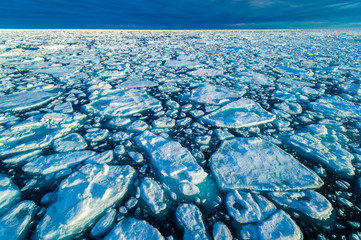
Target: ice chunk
[
  {"x": 212, "y": 94},
  {"x": 243, "y": 208},
  {"x": 20, "y": 158},
  {"x": 241, "y": 113},
  {"x": 9, "y": 194},
  {"x": 66, "y": 107},
  {"x": 138, "y": 126},
  {"x": 118, "y": 123},
  {"x": 255, "y": 164},
  {"x": 137, "y": 83},
  {"x": 164, "y": 122},
  {"x": 23, "y": 101},
  {"x": 278, "y": 226},
  {"x": 136, "y": 156},
  {"x": 308, "y": 203},
  {"x": 170, "y": 159},
  {"x": 122, "y": 103},
  {"x": 96, "y": 134},
  {"x": 101, "y": 158},
  {"x": 221, "y": 232},
  {"x": 223, "y": 134},
  {"x": 183, "y": 63},
  {"x": 104, "y": 225},
  {"x": 188, "y": 188},
  {"x": 134, "y": 229},
  {"x": 72, "y": 142},
  {"x": 206, "y": 72},
  {"x": 189, "y": 217},
  {"x": 204, "y": 140},
  {"x": 17, "y": 221},
  {"x": 335, "y": 106},
  {"x": 248, "y": 208},
  {"x": 333, "y": 157},
  {"x": 82, "y": 197},
  {"x": 291, "y": 108},
  {"x": 152, "y": 193},
  {"x": 56, "y": 162}
]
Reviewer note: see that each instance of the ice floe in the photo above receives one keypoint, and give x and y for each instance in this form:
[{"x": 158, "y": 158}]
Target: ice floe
[
  {"x": 336, "y": 106},
  {"x": 10, "y": 194},
  {"x": 334, "y": 157},
  {"x": 82, "y": 197},
  {"x": 278, "y": 226},
  {"x": 16, "y": 222},
  {"x": 171, "y": 159},
  {"x": 189, "y": 218},
  {"x": 23, "y": 101},
  {"x": 308, "y": 203},
  {"x": 241, "y": 113},
  {"x": 55, "y": 162},
  {"x": 72, "y": 142},
  {"x": 134, "y": 229},
  {"x": 122, "y": 103},
  {"x": 152, "y": 193},
  {"x": 212, "y": 94},
  {"x": 255, "y": 164}
]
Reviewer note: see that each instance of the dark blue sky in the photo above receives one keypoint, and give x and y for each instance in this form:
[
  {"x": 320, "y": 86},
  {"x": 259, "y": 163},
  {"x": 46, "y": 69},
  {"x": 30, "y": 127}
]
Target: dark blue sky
[{"x": 179, "y": 14}]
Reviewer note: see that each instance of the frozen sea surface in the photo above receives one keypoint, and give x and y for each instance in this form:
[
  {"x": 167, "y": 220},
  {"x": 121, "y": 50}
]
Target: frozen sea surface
[{"x": 180, "y": 134}]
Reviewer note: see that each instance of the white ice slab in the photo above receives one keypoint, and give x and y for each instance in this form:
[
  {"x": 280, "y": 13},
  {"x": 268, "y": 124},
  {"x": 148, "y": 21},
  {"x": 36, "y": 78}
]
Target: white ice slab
[
  {"x": 134, "y": 229},
  {"x": 171, "y": 159},
  {"x": 82, "y": 197},
  {"x": 16, "y": 222},
  {"x": 189, "y": 217},
  {"x": 308, "y": 203},
  {"x": 55, "y": 162},
  {"x": 241, "y": 113},
  {"x": 255, "y": 164},
  {"x": 23, "y": 101},
  {"x": 122, "y": 103},
  {"x": 152, "y": 193},
  {"x": 9, "y": 194},
  {"x": 213, "y": 94}
]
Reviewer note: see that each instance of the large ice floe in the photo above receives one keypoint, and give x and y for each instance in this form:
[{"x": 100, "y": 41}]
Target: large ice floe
[
  {"x": 258, "y": 165},
  {"x": 23, "y": 101},
  {"x": 211, "y": 94},
  {"x": 82, "y": 197},
  {"x": 122, "y": 103},
  {"x": 172, "y": 161},
  {"x": 180, "y": 134},
  {"x": 241, "y": 113}
]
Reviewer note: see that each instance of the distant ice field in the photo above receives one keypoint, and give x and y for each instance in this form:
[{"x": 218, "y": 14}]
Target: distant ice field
[{"x": 180, "y": 134}]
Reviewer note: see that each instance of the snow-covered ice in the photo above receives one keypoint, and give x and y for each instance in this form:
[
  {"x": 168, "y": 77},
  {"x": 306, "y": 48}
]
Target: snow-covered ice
[
  {"x": 189, "y": 218},
  {"x": 23, "y": 101},
  {"x": 258, "y": 165},
  {"x": 241, "y": 113},
  {"x": 308, "y": 203},
  {"x": 152, "y": 193},
  {"x": 180, "y": 134},
  {"x": 56, "y": 162},
  {"x": 16, "y": 222},
  {"x": 171, "y": 159},
  {"x": 212, "y": 94},
  {"x": 9, "y": 192},
  {"x": 134, "y": 229},
  {"x": 122, "y": 103},
  {"x": 82, "y": 197}
]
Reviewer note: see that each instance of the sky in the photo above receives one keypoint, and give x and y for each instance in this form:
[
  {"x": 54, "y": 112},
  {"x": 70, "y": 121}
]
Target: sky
[{"x": 179, "y": 14}]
